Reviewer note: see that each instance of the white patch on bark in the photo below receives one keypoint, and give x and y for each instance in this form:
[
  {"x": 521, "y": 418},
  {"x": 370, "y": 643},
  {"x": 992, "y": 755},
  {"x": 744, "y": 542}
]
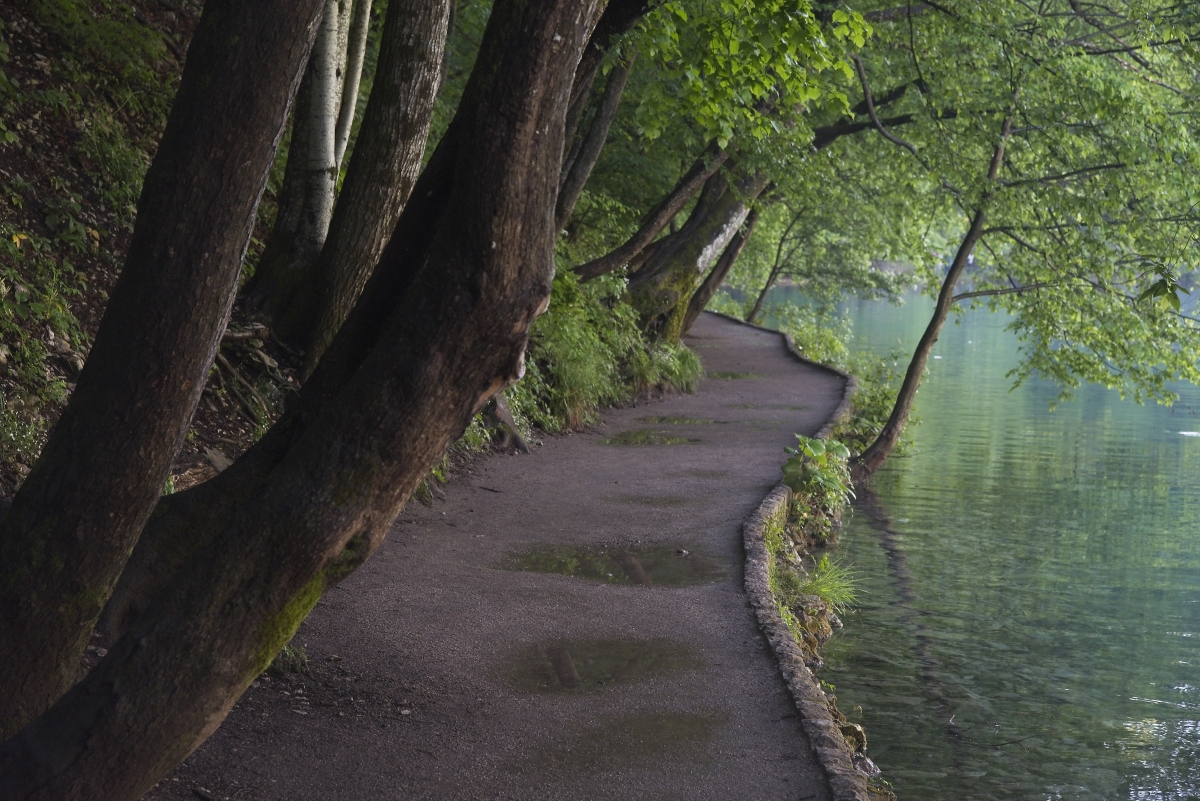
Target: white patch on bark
[{"x": 716, "y": 247}]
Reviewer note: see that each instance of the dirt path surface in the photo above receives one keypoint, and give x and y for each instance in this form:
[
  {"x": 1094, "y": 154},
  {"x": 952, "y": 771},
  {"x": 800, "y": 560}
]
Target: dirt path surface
[{"x": 569, "y": 624}]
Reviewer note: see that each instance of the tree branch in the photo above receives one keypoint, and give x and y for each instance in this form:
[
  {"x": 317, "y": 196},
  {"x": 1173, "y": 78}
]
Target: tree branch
[{"x": 862, "y": 77}]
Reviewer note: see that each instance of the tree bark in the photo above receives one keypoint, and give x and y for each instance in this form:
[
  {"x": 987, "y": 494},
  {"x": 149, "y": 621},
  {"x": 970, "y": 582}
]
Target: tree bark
[
  {"x": 717, "y": 275},
  {"x": 356, "y": 52},
  {"x": 618, "y": 18},
  {"x": 580, "y": 167},
  {"x": 657, "y": 219},
  {"x": 328, "y": 61},
  {"x": 874, "y": 456},
  {"x": 382, "y": 169},
  {"x": 870, "y": 460},
  {"x": 663, "y": 288},
  {"x": 78, "y": 515},
  {"x": 446, "y": 331}
]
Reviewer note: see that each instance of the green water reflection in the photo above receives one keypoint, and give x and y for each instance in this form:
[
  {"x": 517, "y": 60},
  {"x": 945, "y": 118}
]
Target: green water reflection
[{"x": 1029, "y": 625}]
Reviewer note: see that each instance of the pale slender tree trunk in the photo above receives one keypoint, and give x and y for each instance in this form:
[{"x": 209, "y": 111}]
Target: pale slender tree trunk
[
  {"x": 431, "y": 340},
  {"x": 356, "y": 52},
  {"x": 870, "y": 460},
  {"x": 328, "y": 60},
  {"x": 382, "y": 169}
]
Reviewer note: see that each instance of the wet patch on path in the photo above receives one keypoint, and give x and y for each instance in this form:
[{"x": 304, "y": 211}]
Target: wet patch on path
[
  {"x": 657, "y": 565},
  {"x": 628, "y": 739},
  {"x": 646, "y": 436},
  {"x": 590, "y": 664}
]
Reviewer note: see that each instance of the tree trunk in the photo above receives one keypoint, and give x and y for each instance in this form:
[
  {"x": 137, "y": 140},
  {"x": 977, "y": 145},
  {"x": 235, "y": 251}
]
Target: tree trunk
[
  {"x": 717, "y": 275},
  {"x": 321, "y": 170},
  {"x": 382, "y": 169},
  {"x": 776, "y": 269},
  {"x": 874, "y": 456},
  {"x": 663, "y": 288},
  {"x": 618, "y": 19},
  {"x": 580, "y": 167},
  {"x": 356, "y": 52},
  {"x": 870, "y": 460},
  {"x": 76, "y": 518},
  {"x": 310, "y": 180},
  {"x": 653, "y": 223},
  {"x": 443, "y": 333}
]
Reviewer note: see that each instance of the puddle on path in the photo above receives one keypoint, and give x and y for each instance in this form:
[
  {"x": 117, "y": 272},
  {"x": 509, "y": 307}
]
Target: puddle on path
[
  {"x": 580, "y": 665},
  {"x": 730, "y": 375},
  {"x": 656, "y": 501},
  {"x": 646, "y": 436},
  {"x": 697, "y": 473},
  {"x": 627, "y": 739},
  {"x": 657, "y": 565},
  {"x": 773, "y": 406},
  {"x": 675, "y": 421}
]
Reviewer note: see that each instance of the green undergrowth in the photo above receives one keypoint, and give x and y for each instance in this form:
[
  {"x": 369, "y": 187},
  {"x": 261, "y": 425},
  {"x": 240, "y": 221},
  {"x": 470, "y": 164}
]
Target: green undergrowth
[
  {"x": 818, "y": 474},
  {"x": 85, "y": 86},
  {"x": 587, "y": 352},
  {"x": 805, "y": 589}
]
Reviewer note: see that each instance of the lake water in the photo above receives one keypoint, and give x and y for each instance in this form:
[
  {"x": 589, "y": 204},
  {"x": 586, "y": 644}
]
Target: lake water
[{"x": 1029, "y": 621}]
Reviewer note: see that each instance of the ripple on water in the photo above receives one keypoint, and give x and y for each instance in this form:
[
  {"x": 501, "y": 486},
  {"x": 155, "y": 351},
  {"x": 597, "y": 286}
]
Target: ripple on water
[{"x": 1027, "y": 577}]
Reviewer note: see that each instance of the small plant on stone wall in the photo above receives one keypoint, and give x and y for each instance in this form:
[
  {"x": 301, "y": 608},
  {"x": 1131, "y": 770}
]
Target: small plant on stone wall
[{"x": 818, "y": 475}]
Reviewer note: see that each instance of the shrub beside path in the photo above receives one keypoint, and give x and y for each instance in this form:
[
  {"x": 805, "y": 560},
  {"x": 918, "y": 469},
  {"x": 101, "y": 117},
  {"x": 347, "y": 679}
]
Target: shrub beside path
[{"x": 454, "y": 666}]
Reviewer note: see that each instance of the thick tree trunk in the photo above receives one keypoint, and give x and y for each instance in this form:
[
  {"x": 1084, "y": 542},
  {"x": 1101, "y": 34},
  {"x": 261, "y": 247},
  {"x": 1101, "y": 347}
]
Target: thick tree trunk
[
  {"x": 663, "y": 288},
  {"x": 579, "y": 168},
  {"x": 870, "y": 460},
  {"x": 78, "y": 515},
  {"x": 443, "y": 332},
  {"x": 659, "y": 217},
  {"x": 382, "y": 169},
  {"x": 720, "y": 270}
]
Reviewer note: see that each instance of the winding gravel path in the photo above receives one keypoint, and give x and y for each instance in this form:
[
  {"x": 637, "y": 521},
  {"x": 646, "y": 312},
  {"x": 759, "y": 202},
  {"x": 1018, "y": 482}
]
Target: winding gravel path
[{"x": 569, "y": 624}]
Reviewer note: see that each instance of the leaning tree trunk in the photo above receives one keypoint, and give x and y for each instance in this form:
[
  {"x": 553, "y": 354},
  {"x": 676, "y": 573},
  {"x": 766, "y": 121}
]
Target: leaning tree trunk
[
  {"x": 776, "y": 268},
  {"x": 583, "y": 159},
  {"x": 661, "y": 290},
  {"x": 382, "y": 169},
  {"x": 720, "y": 270},
  {"x": 659, "y": 217},
  {"x": 78, "y": 515},
  {"x": 874, "y": 456},
  {"x": 431, "y": 340},
  {"x": 870, "y": 460}
]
